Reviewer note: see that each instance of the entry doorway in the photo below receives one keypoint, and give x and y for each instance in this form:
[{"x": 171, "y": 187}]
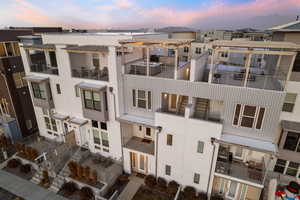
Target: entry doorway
[{"x": 139, "y": 163}]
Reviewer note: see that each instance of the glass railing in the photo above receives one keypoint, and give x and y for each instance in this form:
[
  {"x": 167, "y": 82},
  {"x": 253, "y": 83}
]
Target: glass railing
[
  {"x": 90, "y": 74},
  {"x": 43, "y": 68},
  {"x": 241, "y": 171}
]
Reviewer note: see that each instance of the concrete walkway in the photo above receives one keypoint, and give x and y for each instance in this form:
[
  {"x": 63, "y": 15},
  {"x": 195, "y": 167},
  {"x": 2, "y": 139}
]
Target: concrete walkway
[
  {"x": 131, "y": 188},
  {"x": 25, "y": 189}
]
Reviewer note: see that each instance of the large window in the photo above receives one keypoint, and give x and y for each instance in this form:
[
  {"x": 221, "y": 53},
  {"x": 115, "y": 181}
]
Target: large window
[
  {"x": 198, "y": 50},
  {"x": 50, "y": 123},
  {"x": 92, "y": 100},
  {"x": 168, "y": 170},
  {"x": 141, "y": 99},
  {"x": 38, "y": 92},
  {"x": 100, "y": 136},
  {"x": 289, "y": 102},
  {"x": 292, "y": 142},
  {"x": 287, "y": 167},
  {"x": 248, "y": 116}
]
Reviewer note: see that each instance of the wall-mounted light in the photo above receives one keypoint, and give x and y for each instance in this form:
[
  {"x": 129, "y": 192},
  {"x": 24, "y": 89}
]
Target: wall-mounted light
[{"x": 165, "y": 95}]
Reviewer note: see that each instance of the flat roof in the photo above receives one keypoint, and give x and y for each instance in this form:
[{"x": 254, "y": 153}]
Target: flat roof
[
  {"x": 137, "y": 120},
  {"x": 256, "y": 44},
  {"x": 91, "y": 86},
  {"x": 35, "y": 78},
  {"x": 254, "y": 144},
  {"x": 40, "y": 46},
  {"x": 87, "y": 48},
  {"x": 290, "y": 125},
  {"x": 78, "y": 121},
  {"x": 156, "y": 41}
]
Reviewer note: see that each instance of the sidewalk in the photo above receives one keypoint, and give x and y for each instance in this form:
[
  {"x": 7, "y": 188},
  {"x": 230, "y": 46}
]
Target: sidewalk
[{"x": 131, "y": 188}]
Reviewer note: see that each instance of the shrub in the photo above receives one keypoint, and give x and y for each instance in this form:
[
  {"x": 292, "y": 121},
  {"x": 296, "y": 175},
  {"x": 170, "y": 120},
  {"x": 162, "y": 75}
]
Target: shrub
[
  {"x": 202, "y": 196},
  {"x": 172, "y": 187},
  {"x": 189, "y": 192},
  {"x": 73, "y": 168},
  {"x": 94, "y": 177},
  {"x": 86, "y": 193},
  {"x": 161, "y": 183},
  {"x": 13, "y": 163},
  {"x": 150, "y": 181},
  {"x": 123, "y": 178},
  {"x": 25, "y": 168},
  {"x": 45, "y": 178},
  {"x": 69, "y": 188}
]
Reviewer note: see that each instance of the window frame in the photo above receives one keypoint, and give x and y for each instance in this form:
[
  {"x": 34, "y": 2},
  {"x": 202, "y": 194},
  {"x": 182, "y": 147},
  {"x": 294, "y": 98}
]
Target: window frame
[
  {"x": 197, "y": 50},
  {"x": 286, "y": 167},
  {"x": 297, "y": 147},
  {"x": 147, "y": 99},
  {"x": 93, "y": 101},
  {"x": 239, "y": 115},
  {"x": 196, "y": 179},
  {"x": 286, "y": 102},
  {"x": 58, "y": 90},
  {"x": 37, "y": 92},
  {"x": 168, "y": 169},
  {"x": 104, "y": 144},
  {"x": 169, "y": 141}
]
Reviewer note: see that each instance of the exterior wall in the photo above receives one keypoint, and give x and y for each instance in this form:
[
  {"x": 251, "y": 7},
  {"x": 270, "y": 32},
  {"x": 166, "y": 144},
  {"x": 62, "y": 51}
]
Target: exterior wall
[
  {"x": 182, "y": 156},
  {"x": 293, "y": 87},
  {"x": 271, "y": 100}
]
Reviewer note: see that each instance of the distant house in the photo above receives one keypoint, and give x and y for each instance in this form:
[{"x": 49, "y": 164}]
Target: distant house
[{"x": 178, "y": 32}]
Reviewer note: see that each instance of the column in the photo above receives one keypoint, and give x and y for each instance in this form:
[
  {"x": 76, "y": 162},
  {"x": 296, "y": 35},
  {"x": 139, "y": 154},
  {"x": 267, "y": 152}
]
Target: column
[
  {"x": 247, "y": 66},
  {"x": 148, "y": 60},
  {"x": 176, "y": 64}
]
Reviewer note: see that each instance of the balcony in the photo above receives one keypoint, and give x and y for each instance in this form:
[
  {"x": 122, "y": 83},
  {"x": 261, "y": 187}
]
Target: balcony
[
  {"x": 173, "y": 104},
  {"x": 249, "y": 172},
  {"x": 207, "y": 109},
  {"x": 89, "y": 62},
  {"x": 42, "y": 59},
  {"x": 43, "y": 68}
]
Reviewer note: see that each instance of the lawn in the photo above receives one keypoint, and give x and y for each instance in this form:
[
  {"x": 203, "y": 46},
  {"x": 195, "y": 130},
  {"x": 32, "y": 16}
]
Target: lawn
[{"x": 145, "y": 193}]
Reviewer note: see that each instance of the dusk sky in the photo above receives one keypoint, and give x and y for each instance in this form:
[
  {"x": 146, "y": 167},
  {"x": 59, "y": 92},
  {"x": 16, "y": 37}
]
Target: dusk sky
[{"x": 147, "y": 13}]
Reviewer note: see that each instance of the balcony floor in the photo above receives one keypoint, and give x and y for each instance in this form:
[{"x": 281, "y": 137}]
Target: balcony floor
[{"x": 141, "y": 145}]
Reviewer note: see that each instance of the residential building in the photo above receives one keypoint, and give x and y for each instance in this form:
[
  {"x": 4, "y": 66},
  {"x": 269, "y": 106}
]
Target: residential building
[
  {"x": 178, "y": 32},
  {"x": 287, "y": 166},
  {"x": 166, "y": 107},
  {"x": 16, "y": 110}
]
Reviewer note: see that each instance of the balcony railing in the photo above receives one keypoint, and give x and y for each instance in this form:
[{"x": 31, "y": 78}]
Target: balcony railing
[
  {"x": 93, "y": 74},
  {"x": 241, "y": 171},
  {"x": 43, "y": 68}
]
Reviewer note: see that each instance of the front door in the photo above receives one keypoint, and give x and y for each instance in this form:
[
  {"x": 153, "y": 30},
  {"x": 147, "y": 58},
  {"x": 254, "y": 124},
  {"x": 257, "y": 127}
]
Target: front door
[
  {"x": 139, "y": 163},
  {"x": 133, "y": 160}
]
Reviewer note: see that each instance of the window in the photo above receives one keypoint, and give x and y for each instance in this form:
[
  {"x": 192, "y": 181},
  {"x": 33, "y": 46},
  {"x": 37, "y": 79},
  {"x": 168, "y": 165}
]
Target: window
[
  {"x": 248, "y": 116},
  {"x": 100, "y": 135},
  {"x": 58, "y": 89},
  {"x": 141, "y": 99},
  {"x": 196, "y": 178},
  {"x": 28, "y": 124},
  {"x": 148, "y": 132},
  {"x": 18, "y": 79},
  {"x": 4, "y": 107},
  {"x": 289, "y": 102},
  {"x": 53, "y": 60},
  {"x": 292, "y": 169},
  {"x": 171, "y": 52},
  {"x": 185, "y": 49},
  {"x": 50, "y": 123},
  {"x": 53, "y": 122},
  {"x": 103, "y": 125},
  {"x": 292, "y": 142},
  {"x": 140, "y": 128},
  {"x": 38, "y": 92},
  {"x": 92, "y": 100},
  {"x": 169, "y": 139},
  {"x": 198, "y": 50},
  {"x": 47, "y": 122},
  {"x": 96, "y": 136},
  {"x": 286, "y": 167},
  {"x": 200, "y": 147},
  {"x": 224, "y": 54},
  {"x": 168, "y": 170}
]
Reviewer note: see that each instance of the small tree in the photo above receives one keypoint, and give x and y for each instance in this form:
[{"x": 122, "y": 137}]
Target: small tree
[
  {"x": 150, "y": 181},
  {"x": 189, "y": 192},
  {"x": 172, "y": 187},
  {"x": 202, "y": 196},
  {"x": 86, "y": 193},
  {"x": 162, "y": 184},
  {"x": 73, "y": 168}
]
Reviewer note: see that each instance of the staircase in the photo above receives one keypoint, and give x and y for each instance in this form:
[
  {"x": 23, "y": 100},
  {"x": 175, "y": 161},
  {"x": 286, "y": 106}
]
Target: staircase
[
  {"x": 201, "y": 108},
  {"x": 38, "y": 176},
  {"x": 183, "y": 102}
]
